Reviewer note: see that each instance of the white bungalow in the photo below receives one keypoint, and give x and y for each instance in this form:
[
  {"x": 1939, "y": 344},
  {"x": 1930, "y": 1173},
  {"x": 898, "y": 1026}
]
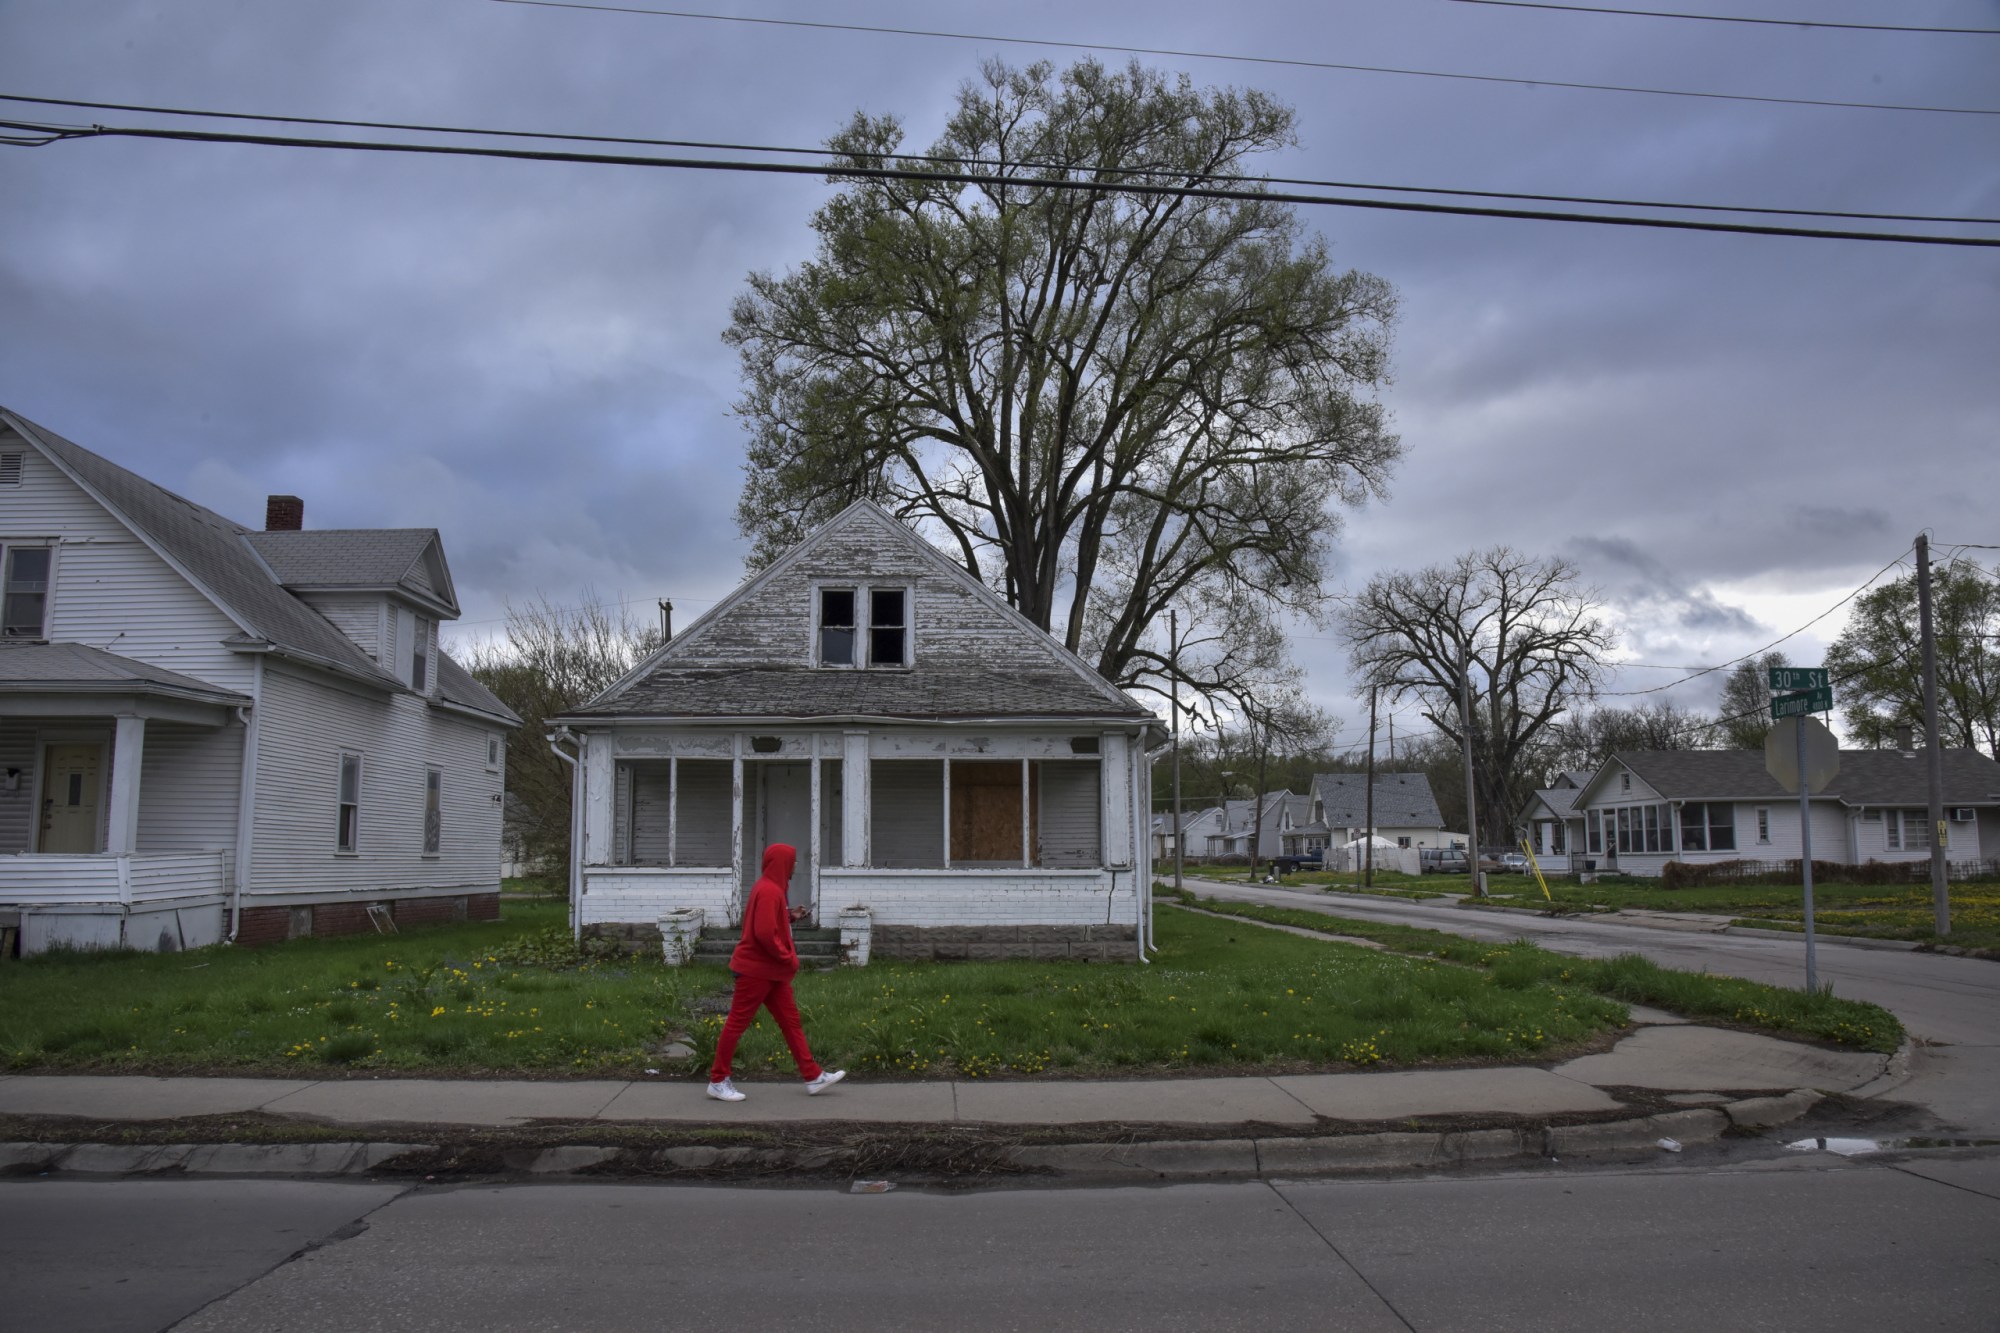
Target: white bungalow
[
  {"x": 950, "y": 774},
  {"x": 211, "y": 732}
]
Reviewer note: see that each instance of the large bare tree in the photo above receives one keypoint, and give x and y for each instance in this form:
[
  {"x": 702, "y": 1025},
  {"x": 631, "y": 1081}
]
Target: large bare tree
[
  {"x": 1519, "y": 631},
  {"x": 1105, "y": 403}
]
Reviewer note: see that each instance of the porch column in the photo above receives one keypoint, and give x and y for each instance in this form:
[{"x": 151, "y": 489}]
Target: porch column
[
  {"x": 854, "y": 799},
  {"x": 128, "y": 754},
  {"x": 598, "y": 784},
  {"x": 1115, "y": 762}
]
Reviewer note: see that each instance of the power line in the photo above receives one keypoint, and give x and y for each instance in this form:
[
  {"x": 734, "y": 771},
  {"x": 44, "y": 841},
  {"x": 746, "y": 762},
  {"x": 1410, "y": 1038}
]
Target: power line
[
  {"x": 1628, "y": 694},
  {"x": 1733, "y": 18},
  {"x": 1244, "y": 59},
  {"x": 66, "y": 134},
  {"x": 1216, "y": 177}
]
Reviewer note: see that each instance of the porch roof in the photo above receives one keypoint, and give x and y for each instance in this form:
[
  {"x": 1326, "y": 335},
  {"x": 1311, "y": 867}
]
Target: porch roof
[
  {"x": 76, "y": 668},
  {"x": 810, "y": 692}
]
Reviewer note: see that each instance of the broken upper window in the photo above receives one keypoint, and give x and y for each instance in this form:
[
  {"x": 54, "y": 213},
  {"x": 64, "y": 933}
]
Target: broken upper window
[
  {"x": 836, "y": 627},
  {"x": 888, "y": 627}
]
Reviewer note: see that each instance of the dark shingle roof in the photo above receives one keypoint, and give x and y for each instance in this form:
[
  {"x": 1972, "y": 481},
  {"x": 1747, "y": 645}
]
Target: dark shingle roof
[
  {"x": 1866, "y": 777},
  {"x": 799, "y": 691},
  {"x": 1402, "y": 800},
  {"x": 43, "y": 667},
  {"x": 374, "y": 558},
  {"x": 458, "y": 686}
]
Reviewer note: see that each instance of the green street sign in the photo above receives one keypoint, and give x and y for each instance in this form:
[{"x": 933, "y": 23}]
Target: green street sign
[
  {"x": 1800, "y": 678},
  {"x": 1801, "y": 703}
]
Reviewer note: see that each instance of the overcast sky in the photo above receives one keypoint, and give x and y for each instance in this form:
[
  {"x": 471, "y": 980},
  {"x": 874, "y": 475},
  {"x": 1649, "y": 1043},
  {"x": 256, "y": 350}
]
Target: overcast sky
[{"x": 1727, "y": 433}]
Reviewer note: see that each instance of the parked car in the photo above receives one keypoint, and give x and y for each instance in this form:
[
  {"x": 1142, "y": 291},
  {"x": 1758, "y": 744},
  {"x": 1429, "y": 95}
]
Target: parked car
[
  {"x": 1442, "y": 860},
  {"x": 1285, "y": 865},
  {"x": 1513, "y": 863}
]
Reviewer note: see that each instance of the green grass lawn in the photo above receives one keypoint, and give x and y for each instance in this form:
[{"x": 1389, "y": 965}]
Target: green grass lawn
[
  {"x": 1389, "y": 883},
  {"x": 515, "y": 997},
  {"x": 1629, "y": 978}
]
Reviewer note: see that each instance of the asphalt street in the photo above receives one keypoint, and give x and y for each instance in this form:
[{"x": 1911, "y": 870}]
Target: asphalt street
[
  {"x": 1821, "y": 1243},
  {"x": 1951, "y": 1006}
]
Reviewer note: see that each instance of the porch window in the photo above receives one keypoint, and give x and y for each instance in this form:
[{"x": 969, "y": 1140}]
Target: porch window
[
  {"x": 348, "y": 820},
  {"x": 1558, "y": 837},
  {"x": 1593, "y": 824},
  {"x": 433, "y": 810},
  {"x": 1708, "y": 827},
  {"x": 1763, "y": 825},
  {"x": 931, "y": 814},
  {"x": 836, "y": 627},
  {"x": 24, "y": 609}
]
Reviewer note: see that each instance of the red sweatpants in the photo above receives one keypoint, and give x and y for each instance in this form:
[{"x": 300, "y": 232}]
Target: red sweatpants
[{"x": 753, "y": 994}]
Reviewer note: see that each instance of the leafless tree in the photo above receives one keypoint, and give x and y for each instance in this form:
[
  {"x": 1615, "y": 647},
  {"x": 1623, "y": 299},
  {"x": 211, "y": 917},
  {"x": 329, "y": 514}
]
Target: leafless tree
[
  {"x": 1519, "y": 632},
  {"x": 553, "y": 658}
]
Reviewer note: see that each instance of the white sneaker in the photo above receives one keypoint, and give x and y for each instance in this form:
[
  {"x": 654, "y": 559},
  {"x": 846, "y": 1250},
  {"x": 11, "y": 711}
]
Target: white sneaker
[
  {"x": 725, "y": 1091},
  {"x": 827, "y": 1078}
]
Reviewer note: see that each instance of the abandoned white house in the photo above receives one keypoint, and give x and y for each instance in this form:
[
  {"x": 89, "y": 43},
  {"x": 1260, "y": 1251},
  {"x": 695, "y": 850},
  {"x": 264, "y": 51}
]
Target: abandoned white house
[
  {"x": 952, "y": 776},
  {"x": 211, "y": 732},
  {"x": 1643, "y": 808}
]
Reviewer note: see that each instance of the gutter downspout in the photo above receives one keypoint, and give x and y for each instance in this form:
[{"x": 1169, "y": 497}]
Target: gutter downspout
[
  {"x": 555, "y": 739},
  {"x": 246, "y": 798}
]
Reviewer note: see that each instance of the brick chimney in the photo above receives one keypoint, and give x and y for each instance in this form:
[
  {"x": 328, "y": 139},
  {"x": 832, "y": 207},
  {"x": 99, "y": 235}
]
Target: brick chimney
[{"x": 284, "y": 513}]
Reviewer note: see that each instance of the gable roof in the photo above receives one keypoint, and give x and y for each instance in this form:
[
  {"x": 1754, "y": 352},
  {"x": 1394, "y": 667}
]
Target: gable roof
[
  {"x": 1558, "y": 800},
  {"x": 366, "y": 559},
  {"x": 1866, "y": 777},
  {"x": 219, "y": 558},
  {"x": 689, "y": 677},
  {"x": 1402, "y": 800}
]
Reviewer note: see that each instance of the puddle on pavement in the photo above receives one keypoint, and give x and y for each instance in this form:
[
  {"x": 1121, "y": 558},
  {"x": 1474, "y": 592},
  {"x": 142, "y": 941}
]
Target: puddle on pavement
[{"x": 1861, "y": 1147}]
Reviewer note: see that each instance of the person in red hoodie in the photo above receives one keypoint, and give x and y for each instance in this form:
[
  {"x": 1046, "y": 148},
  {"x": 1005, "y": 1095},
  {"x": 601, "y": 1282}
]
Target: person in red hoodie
[{"x": 764, "y": 964}]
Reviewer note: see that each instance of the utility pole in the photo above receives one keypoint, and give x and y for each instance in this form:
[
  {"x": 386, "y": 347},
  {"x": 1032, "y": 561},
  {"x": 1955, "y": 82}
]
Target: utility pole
[
  {"x": 1471, "y": 800},
  {"x": 1368, "y": 851},
  {"x": 1933, "y": 749},
  {"x": 1392, "y": 738},
  {"x": 1174, "y": 676}
]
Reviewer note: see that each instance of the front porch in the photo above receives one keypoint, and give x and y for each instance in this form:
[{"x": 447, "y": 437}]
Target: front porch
[
  {"x": 165, "y": 901},
  {"x": 1008, "y": 842}
]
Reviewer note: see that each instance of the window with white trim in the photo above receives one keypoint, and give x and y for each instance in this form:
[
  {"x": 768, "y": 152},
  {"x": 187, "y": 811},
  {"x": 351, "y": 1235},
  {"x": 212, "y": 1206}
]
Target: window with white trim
[
  {"x": 24, "y": 590},
  {"x": 888, "y": 627},
  {"x": 347, "y": 824},
  {"x": 420, "y": 655},
  {"x": 493, "y": 753},
  {"x": 1708, "y": 827},
  {"x": 433, "y": 810},
  {"x": 1905, "y": 831},
  {"x": 862, "y": 627},
  {"x": 836, "y": 626},
  {"x": 1763, "y": 825}
]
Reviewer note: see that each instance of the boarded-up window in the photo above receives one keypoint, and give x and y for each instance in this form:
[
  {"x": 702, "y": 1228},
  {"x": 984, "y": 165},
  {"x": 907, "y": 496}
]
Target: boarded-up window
[
  {"x": 986, "y": 812},
  {"x": 642, "y": 799},
  {"x": 706, "y": 819},
  {"x": 1069, "y": 835},
  {"x": 906, "y": 804}
]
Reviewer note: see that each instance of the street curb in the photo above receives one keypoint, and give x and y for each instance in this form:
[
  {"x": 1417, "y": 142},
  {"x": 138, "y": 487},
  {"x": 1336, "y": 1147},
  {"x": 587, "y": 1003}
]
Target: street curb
[
  {"x": 1821, "y": 937},
  {"x": 1189, "y": 1159},
  {"x": 1895, "y": 1072}
]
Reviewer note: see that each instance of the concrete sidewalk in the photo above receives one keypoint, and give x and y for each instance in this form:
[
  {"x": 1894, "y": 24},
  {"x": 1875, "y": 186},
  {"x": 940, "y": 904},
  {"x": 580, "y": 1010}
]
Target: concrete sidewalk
[{"x": 1690, "y": 1064}]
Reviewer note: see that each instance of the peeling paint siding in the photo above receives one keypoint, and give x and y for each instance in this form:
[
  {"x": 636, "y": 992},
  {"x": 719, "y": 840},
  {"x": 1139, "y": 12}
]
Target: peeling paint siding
[
  {"x": 950, "y": 626},
  {"x": 189, "y": 784},
  {"x": 360, "y": 616},
  {"x": 304, "y": 727},
  {"x": 987, "y": 897},
  {"x": 109, "y": 590}
]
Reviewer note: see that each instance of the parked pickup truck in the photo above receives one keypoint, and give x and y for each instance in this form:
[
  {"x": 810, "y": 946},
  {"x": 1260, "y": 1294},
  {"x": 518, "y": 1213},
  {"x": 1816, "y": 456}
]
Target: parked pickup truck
[{"x": 1288, "y": 865}]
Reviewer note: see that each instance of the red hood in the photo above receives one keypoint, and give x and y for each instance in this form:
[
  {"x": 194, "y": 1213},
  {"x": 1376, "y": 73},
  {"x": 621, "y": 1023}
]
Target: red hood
[{"x": 779, "y": 858}]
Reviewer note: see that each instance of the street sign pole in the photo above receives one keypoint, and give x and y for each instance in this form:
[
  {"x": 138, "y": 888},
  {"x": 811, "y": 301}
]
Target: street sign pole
[{"x": 1806, "y": 860}]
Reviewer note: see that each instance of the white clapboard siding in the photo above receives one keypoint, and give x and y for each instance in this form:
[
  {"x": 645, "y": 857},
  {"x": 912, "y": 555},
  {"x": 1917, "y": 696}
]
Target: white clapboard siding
[
  {"x": 1069, "y": 823},
  {"x": 188, "y": 787},
  {"x": 360, "y": 616},
  {"x": 304, "y": 728},
  {"x": 17, "y": 807},
  {"x": 646, "y": 894},
  {"x": 109, "y": 589},
  {"x": 987, "y": 897},
  {"x": 906, "y": 803}
]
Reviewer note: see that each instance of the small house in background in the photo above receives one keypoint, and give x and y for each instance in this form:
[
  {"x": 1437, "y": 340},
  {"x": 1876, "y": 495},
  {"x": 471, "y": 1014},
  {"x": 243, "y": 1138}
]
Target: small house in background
[
  {"x": 958, "y": 783},
  {"x": 1553, "y": 824},
  {"x": 1238, "y": 827},
  {"x": 213, "y": 732},
  {"x": 1405, "y": 811},
  {"x": 1644, "y": 808}
]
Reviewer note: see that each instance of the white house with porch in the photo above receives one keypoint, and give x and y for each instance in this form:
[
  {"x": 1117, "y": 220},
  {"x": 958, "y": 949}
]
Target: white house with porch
[
  {"x": 958, "y": 784},
  {"x": 209, "y": 731},
  {"x": 1644, "y": 808}
]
